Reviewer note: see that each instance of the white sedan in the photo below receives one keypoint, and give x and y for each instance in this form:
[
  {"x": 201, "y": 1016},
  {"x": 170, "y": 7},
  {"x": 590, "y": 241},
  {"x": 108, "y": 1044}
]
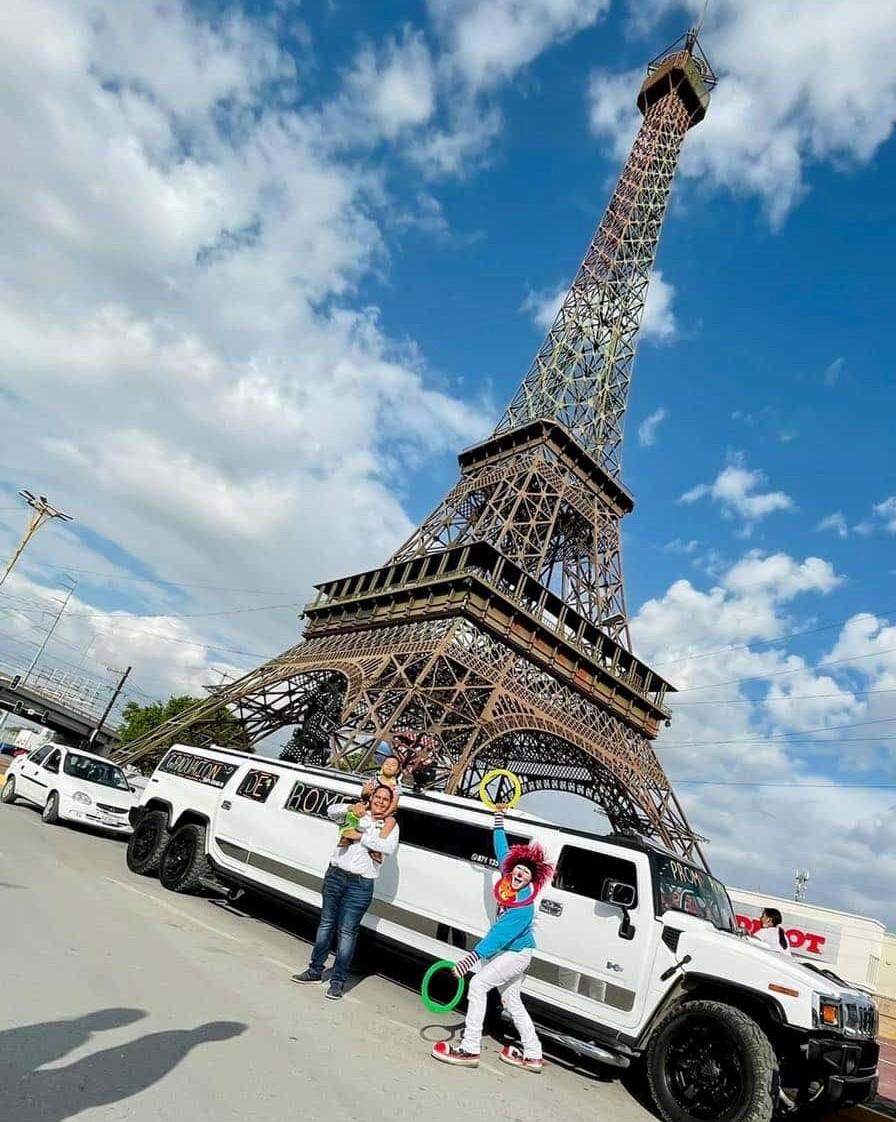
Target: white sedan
[{"x": 71, "y": 785}]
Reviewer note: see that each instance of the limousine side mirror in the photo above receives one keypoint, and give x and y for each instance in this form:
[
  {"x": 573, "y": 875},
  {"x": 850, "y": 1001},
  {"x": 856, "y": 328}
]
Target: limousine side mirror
[{"x": 622, "y": 896}]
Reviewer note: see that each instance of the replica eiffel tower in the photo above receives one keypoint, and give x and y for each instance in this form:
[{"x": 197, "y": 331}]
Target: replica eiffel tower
[{"x": 497, "y": 635}]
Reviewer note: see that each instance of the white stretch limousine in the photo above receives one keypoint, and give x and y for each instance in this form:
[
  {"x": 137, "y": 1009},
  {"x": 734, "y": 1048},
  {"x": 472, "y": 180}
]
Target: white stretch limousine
[{"x": 639, "y": 957}]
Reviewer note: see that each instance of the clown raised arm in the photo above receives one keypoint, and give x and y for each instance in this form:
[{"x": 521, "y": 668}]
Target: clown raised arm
[{"x": 502, "y": 957}]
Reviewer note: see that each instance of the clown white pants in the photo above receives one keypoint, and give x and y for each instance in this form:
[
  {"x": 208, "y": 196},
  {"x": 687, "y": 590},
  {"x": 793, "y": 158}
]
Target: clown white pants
[{"x": 505, "y": 973}]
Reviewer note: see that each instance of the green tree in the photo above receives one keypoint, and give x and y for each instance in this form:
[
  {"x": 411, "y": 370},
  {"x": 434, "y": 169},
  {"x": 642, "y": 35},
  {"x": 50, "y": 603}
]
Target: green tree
[{"x": 220, "y": 727}]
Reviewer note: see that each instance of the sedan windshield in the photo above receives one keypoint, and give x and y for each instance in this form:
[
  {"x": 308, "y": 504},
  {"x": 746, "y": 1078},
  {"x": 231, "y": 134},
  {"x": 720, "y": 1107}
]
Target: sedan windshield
[
  {"x": 684, "y": 888},
  {"x": 89, "y": 770}
]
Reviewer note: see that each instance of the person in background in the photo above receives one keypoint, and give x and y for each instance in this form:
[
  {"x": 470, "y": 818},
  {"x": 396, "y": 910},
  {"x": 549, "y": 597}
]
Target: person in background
[
  {"x": 501, "y": 959},
  {"x": 771, "y": 932},
  {"x": 348, "y": 887}
]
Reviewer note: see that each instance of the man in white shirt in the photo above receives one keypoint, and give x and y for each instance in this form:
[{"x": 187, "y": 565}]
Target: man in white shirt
[
  {"x": 348, "y": 888},
  {"x": 771, "y": 932}
]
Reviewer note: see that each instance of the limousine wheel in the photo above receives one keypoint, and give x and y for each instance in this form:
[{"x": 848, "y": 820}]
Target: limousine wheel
[
  {"x": 183, "y": 863},
  {"x": 147, "y": 843},
  {"x": 709, "y": 1062},
  {"x": 8, "y": 794}
]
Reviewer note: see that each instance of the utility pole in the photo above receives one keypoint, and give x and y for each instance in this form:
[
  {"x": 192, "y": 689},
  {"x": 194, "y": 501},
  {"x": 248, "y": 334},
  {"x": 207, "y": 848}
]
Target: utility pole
[
  {"x": 108, "y": 708},
  {"x": 42, "y": 647},
  {"x": 42, "y": 512}
]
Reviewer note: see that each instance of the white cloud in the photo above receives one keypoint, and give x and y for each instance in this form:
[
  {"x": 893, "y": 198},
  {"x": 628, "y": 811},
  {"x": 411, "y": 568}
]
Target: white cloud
[
  {"x": 746, "y": 714},
  {"x": 886, "y": 511},
  {"x": 882, "y": 517},
  {"x": 679, "y": 546},
  {"x": 835, "y": 522},
  {"x": 389, "y": 89},
  {"x": 647, "y": 429},
  {"x": 798, "y": 84},
  {"x": 736, "y": 490},
  {"x": 542, "y": 305},
  {"x": 833, "y": 371},
  {"x": 490, "y": 40},
  {"x": 198, "y": 384},
  {"x": 658, "y": 322}
]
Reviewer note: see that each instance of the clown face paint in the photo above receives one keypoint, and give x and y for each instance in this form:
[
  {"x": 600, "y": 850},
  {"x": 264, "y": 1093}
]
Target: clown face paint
[{"x": 520, "y": 877}]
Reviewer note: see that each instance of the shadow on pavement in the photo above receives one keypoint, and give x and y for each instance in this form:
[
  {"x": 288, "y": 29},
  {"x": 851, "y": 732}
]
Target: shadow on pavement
[{"x": 33, "y": 1093}]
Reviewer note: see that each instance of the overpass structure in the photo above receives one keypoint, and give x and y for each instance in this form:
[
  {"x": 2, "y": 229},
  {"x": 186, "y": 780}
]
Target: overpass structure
[{"x": 43, "y": 700}]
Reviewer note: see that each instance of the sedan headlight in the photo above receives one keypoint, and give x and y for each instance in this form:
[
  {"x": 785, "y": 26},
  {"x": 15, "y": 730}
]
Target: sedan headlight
[{"x": 80, "y": 797}]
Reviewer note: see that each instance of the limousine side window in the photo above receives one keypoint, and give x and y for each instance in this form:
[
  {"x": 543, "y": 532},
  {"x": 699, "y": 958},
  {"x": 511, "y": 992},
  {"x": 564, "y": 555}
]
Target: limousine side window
[
  {"x": 257, "y": 785},
  {"x": 583, "y": 871},
  {"x": 451, "y": 838}
]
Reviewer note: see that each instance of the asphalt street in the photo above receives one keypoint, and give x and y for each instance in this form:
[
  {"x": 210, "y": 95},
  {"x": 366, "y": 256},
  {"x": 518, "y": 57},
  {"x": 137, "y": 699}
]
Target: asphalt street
[{"x": 123, "y": 1001}]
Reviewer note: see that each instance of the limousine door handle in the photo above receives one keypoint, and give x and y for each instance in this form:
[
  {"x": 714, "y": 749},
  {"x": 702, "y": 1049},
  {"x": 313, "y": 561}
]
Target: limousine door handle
[
  {"x": 551, "y": 907},
  {"x": 226, "y": 805}
]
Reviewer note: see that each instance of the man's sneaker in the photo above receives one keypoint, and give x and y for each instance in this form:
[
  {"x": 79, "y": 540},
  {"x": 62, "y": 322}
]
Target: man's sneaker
[
  {"x": 514, "y": 1057},
  {"x": 447, "y": 1055},
  {"x": 336, "y": 990},
  {"x": 307, "y": 977}
]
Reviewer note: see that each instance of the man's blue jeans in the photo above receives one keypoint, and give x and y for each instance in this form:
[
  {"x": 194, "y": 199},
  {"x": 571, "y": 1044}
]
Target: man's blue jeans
[{"x": 345, "y": 900}]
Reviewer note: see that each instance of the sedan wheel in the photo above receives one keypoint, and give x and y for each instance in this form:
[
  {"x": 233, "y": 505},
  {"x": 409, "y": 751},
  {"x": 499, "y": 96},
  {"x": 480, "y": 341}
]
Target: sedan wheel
[{"x": 50, "y": 813}]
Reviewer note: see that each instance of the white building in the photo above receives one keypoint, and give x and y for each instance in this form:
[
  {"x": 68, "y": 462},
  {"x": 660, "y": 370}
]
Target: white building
[{"x": 852, "y": 946}]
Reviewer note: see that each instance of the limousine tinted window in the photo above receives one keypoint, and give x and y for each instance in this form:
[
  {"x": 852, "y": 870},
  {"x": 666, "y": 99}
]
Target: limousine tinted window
[
  {"x": 201, "y": 769},
  {"x": 583, "y": 871},
  {"x": 257, "y": 785},
  {"x": 453, "y": 839}
]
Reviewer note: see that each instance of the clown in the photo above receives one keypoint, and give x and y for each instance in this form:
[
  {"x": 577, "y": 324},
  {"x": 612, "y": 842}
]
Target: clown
[{"x": 500, "y": 960}]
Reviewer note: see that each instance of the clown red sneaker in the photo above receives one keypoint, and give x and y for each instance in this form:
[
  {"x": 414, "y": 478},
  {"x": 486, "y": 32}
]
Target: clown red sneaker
[
  {"x": 443, "y": 1052},
  {"x": 515, "y": 1058}
]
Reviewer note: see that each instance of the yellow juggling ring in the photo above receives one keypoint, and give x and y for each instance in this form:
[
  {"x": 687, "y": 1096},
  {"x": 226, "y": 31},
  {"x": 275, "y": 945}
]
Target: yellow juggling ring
[{"x": 489, "y": 776}]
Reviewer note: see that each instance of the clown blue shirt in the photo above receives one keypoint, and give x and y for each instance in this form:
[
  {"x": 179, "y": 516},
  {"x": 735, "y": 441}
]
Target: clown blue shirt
[{"x": 512, "y": 931}]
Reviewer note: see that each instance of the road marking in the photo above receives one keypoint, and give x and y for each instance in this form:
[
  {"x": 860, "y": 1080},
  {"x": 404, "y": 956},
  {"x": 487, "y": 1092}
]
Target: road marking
[{"x": 170, "y": 907}]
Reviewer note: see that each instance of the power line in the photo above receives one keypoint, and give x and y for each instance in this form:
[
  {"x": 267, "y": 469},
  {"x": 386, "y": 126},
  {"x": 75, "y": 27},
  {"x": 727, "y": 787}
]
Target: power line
[
  {"x": 164, "y": 581},
  {"x": 796, "y": 634},
  {"x": 676, "y": 705},
  {"x": 796, "y": 732},
  {"x": 784, "y": 673},
  {"x": 167, "y": 615},
  {"x": 792, "y": 783},
  {"x": 764, "y": 739}
]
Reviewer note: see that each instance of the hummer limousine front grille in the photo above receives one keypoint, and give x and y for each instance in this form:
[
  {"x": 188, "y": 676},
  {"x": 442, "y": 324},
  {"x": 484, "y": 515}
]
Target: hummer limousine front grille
[{"x": 860, "y": 1020}]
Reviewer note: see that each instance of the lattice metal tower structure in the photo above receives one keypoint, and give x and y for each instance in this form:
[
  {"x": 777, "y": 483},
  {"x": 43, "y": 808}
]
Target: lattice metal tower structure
[{"x": 497, "y": 635}]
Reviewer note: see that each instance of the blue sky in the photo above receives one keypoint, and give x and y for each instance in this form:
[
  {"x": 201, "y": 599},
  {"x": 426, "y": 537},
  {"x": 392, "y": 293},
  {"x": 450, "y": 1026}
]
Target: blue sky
[{"x": 267, "y": 269}]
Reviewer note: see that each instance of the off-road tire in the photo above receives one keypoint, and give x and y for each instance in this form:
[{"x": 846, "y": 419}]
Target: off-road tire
[
  {"x": 8, "y": 793},
  {"x": 147, "y": 843},
  {"x": 721, "y": 1024},
  {"x": 184, "y": 864}
]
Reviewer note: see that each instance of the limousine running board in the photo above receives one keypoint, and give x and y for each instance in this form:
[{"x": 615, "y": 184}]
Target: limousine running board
[{"x": 586, "y": 1048}]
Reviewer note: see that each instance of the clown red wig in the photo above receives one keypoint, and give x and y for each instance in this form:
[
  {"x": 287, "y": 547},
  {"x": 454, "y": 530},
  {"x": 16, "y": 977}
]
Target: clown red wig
[{"x": 534, "y": 859}]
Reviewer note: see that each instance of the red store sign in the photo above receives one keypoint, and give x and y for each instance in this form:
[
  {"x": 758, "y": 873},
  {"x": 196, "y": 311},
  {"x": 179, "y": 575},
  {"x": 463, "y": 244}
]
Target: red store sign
[{"x": 820, "y": 941}]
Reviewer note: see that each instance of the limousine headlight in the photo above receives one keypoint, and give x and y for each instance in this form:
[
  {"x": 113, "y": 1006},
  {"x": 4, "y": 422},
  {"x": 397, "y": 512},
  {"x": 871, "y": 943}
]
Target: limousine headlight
[
  {"x": 80, "y": 797},
  {"x": 827, "y": 1013}
]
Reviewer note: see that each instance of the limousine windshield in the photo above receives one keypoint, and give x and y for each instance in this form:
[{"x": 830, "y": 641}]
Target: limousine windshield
[{"x": 684, "y": 888}]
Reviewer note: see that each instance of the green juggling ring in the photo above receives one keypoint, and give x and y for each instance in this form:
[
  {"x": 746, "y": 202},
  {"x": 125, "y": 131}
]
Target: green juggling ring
[{"x": 434, "y": 1006}]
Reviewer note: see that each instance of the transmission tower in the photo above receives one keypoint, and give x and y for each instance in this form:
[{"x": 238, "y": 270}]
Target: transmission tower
[{"x": 497, "y": 635}]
